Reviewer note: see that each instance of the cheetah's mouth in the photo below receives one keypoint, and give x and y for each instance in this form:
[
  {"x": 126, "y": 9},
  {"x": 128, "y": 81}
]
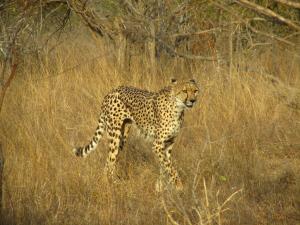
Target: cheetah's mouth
[{"x": 189, "y": 104}]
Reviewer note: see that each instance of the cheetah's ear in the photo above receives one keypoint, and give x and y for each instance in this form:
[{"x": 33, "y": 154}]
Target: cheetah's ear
[{"x": 173, "y": 81}]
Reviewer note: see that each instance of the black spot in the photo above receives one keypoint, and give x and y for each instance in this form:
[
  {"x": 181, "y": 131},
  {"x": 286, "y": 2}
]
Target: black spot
[
  {"x": 78, "y": 152},
  {"x": 173, "y": 80}
]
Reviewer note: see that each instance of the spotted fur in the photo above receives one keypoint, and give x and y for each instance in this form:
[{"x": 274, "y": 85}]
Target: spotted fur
[{"x": 158, "y": 115}]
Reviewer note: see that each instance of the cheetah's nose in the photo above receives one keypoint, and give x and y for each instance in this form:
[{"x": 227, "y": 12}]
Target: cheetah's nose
[{"x": 192, "y": 100}]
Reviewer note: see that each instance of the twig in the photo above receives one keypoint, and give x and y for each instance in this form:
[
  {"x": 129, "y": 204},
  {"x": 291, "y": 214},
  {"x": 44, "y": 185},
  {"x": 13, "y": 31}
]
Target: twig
[
  {"x": 253, "y": 45},
  {"x": 197, "y": 33},
  {"x": 173, "y": 221},
  {"x": 230, "y": 197}
]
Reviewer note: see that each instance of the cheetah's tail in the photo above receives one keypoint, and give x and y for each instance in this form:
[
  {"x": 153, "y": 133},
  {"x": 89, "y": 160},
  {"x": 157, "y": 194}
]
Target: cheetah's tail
[{"x": 84, "y": 151}]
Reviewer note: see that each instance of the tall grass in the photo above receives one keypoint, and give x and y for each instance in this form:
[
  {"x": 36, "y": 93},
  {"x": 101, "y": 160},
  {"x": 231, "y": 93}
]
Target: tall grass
[{"x": 238, "y": 150}]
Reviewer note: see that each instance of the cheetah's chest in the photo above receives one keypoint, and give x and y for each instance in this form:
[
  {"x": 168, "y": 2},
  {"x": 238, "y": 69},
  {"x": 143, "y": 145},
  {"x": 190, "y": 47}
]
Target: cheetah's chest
[
  {"x": 173, "y": 128},
  {"x": 171, "y": 124}
]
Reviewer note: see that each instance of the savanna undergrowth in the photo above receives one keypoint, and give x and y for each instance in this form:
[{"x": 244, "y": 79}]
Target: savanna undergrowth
[{"x": 237, "y": 152}]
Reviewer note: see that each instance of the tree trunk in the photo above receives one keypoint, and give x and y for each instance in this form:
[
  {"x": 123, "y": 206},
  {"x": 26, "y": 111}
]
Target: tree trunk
[
  {"x": 121, "y": 51},
  {"x": 1, "y": 181},
  {"x": 230, "y": 49},
  {"x": 4, "y": 84},
  {"x": 151, "y": 49}
]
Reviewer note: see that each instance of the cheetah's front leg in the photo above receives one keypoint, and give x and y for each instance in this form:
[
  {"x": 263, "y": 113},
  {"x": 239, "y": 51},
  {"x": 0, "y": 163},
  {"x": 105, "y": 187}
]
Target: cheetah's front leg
[
  {"x": 174, "y": 177},
  {"x": 163, "y": 151}
]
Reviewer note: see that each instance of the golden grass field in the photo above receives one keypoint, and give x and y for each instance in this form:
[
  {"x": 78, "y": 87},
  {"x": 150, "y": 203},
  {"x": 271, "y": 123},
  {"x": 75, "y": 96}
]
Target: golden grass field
[{"x": 238, "y": 152}]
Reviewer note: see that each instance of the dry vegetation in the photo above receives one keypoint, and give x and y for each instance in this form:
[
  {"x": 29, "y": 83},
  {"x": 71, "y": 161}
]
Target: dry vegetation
[{"x": 238, "y": 151}]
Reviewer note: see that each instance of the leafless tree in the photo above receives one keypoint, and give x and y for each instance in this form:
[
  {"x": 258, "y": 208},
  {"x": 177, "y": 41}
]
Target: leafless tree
[
  {"x": 156, "y": 27},
  {"x": 176, "y": 28},
  {"x": 21, "y": 23}
]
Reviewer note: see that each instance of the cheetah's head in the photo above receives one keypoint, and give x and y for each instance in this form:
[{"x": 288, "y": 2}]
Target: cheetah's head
[{"x": 185, "y": 92}]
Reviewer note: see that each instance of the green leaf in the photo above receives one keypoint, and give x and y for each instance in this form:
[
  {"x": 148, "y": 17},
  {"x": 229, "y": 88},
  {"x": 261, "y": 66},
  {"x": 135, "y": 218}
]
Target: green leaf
[{"x": 222, "y": 178}]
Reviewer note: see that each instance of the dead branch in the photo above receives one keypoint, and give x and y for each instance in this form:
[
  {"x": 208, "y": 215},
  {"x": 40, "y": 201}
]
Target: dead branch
[
  {"x": 295, "y": 5},
  {"x": 90, "y": 18},
  {"x": 197, "y": 33},
  {"x": 268, "y": 12},
  {"x": 197, "y": 57},
  {"x": 270, "y": 35},
  {"x": 131, "y": 8},
  {"x": 292, "y": 35},
  {"x": 7, "y": 83},
  {"x": 182, "y": 55},
  {"x": 247, "y": 21}
]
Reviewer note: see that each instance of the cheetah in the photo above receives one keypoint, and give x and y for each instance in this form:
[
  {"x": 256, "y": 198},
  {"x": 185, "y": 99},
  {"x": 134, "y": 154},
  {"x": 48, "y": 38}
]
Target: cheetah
[{"x": 158, "y": 115}]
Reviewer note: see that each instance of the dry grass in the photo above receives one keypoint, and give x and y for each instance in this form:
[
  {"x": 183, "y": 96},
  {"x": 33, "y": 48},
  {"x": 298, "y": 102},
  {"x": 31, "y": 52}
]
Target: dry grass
[{"x": 238, "y": 151}]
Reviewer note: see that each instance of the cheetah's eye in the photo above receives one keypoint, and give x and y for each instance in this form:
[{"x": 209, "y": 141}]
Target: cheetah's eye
[
  {"x": 196, "y": 91},
  {"x": 184, "y": 91}
]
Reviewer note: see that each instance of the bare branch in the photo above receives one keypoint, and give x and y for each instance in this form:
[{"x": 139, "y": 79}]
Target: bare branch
[
  {"x": 182, "y": 55},
  {"x": 90, "y": 18},
  {"x": 7, "y": 83},
  {"x": 131, "y": 8},
  {"x": 270, "y": 35},
  {"x": 268, "y": 12},
  {"x": 247, "y": 21},
  {"x": 295, "y": 5},
  {"x": 197, "y": 33}
]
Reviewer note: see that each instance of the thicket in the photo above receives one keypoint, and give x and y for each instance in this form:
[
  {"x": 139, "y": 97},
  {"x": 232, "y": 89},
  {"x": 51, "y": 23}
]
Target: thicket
[
  {"x": 242, "y": 163},
  {"x": 195, "y": 30}
]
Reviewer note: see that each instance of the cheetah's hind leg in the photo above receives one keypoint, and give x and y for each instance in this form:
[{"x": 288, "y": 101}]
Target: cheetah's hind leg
[
  {"x": 124, "y": 132},
  {"x": 114, "y": 136}
]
